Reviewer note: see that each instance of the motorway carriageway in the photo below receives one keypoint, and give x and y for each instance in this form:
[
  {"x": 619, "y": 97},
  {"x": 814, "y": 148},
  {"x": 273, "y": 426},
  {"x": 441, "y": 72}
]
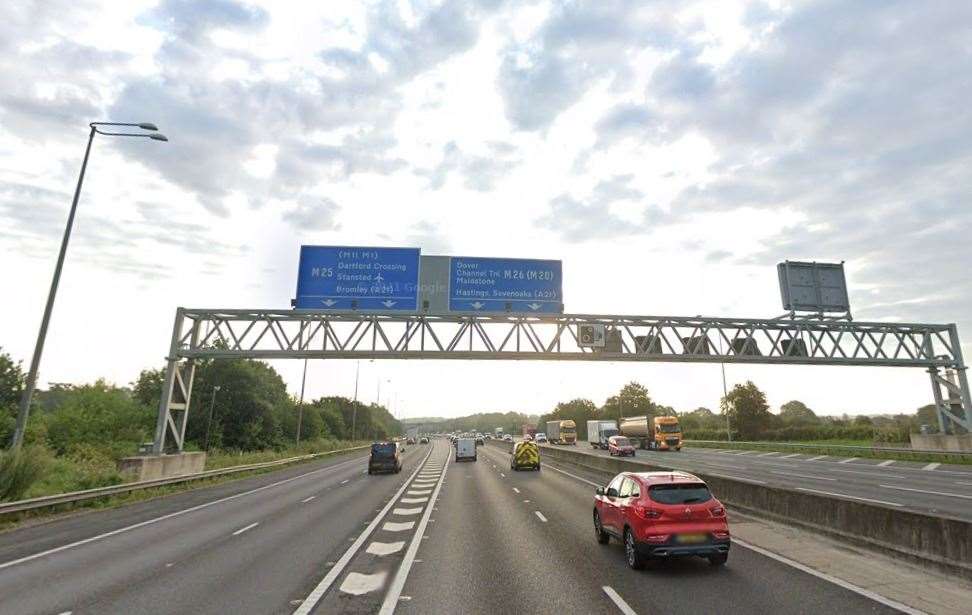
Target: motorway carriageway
[
  {"x": 929, "y": 488},
  {"x": 324, "y": 537}
]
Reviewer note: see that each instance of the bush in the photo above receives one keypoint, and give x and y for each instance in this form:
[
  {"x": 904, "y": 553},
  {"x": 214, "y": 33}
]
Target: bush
[{"x": 19, "y": 470}]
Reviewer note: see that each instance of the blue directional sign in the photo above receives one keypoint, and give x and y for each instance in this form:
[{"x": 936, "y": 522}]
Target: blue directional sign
[
  {"x": 354, "y": 278},
  {"x": 505, "y": 285}
]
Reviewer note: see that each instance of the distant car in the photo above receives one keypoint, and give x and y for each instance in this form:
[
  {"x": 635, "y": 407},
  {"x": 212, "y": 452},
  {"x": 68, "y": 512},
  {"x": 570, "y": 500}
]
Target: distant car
[
  {"x": 507, "y": 438},
  {"x": 410, "y": 440},
  {"x": 480, "y": 441},
  {"x": 540, "y": 437},
  {"x": 487, "y": 437},
  {"x": 385, "y": 457},
  {"x": 424, "y": 440},
  {"x": 661, "y": 514},
  {"x": 525, "y": 454},
  {"x": 620, "y": 446}
]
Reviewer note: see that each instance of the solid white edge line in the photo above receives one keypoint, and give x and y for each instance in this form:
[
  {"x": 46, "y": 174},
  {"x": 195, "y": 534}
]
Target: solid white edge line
[
  {"x": 398, "y": 583},
  {"x": 318, "y": 592},
  {"x": 941, "y": 493},
  {"x": 931, "y": 466},
  {"x": 306, "y": 500},
  {"x": 574, "y": 476},
  {"x": 177, "y": 513},
  {"x": 243, "y": 529},
  {"x": 831, "y": 579},
  {"x": 782, "y": 473},
  {"x": 852, "y": 497},
  {"x": 618, "y": 601},
  {"x": 789, "y": 562}
]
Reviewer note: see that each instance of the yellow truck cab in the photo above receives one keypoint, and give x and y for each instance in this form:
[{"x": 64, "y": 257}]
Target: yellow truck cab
[{"x": 668, "y": 433}]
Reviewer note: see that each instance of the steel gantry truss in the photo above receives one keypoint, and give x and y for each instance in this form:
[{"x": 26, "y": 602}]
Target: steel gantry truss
[{"x": 300, "y": 334}]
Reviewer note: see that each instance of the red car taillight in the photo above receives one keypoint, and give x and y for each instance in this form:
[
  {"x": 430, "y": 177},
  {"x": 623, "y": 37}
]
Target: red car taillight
[
  {"x": 717, "y": 511},
  {"x": 657, "y": 538},
  {"x": 720, "y": 534},
  {"x": 647, "y": 513}
]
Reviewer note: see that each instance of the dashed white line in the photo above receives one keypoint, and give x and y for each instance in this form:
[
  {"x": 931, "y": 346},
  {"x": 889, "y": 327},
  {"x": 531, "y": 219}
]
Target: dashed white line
[
  {"x": 385, "y": 548},
  {"x": 791, "y": 456},
  {"x": 515, "y": 490},
  {"x": 418, "y": 492},
  {"x": 358, "y": 584},
  {"x": 886, "y": 463},
  {"x": 413, "y": 500},
  {"x": 816, "y": 458},
  {"x": 852, "y": 497},
  {"x": 872, "y": 474},
  {"x": 306, "y": 500},
  {"x": 540, "y": 516},
  {"x": 346, "y": 481},
  {"x": 618, "y": 601},
  {"x": 769, "y": 454},
  {"x": 942, "y": 493},
  {"x": 931, "y": 466},
  {"x": 243, "y": 529},
  {"x": 407, "y": 511},
  {"x": 849, "y": 460},
  {"x": 801, "y": 475},
  {"x": 739, "y": 478},
  {"x": 503, "y": 475}
]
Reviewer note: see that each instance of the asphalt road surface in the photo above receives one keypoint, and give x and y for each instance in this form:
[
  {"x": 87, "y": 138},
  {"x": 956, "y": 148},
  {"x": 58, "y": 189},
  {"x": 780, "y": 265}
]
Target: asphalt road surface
[
  {"x": 931, "y": 488},
  {"x": 440, "y": 537}
]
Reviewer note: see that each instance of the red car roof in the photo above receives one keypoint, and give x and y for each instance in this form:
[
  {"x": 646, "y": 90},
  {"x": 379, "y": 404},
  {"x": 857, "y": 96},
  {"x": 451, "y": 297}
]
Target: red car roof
[{"x": 657, "y": 478}]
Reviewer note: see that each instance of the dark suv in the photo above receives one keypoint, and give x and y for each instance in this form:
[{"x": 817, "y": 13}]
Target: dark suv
[{"x": 385, "y": 457}]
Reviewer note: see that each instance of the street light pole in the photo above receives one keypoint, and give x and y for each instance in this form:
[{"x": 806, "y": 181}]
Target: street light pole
[
  {"x": 209, "y": 423},
  {"x": 25, "y": 400}
]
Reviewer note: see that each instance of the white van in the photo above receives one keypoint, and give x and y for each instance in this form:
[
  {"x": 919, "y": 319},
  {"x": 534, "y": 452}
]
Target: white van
[{"x": 465, "y": 449}]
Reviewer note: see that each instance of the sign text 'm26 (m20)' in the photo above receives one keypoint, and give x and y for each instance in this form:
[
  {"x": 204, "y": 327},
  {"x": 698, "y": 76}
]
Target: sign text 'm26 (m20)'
[
  {"x": 505, "y": 285},
  {"x": 356, "y": 278}
]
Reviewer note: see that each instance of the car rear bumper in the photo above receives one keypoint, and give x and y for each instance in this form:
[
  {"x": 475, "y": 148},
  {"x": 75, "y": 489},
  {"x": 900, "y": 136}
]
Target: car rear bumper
[
  {"x": 382, "y": 467},
  {"x": 677, "y": 550}
]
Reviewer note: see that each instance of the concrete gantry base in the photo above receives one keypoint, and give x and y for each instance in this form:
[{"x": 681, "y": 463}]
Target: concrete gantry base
[
  {"x": 149, "y": 467},
  {"x": 942, "y": 442}
]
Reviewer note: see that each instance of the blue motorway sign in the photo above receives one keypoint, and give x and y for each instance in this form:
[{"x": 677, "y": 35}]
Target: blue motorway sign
[
  {"x": 505, "y": 285},
  {"x": 350, "y": 278}
]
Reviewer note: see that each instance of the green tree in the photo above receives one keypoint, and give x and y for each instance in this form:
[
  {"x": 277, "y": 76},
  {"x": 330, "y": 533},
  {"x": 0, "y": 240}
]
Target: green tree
[
  {"x": 926, "y": 415},
  {"x": 12, "y": 379},
  {"x": 797, "y": 413},
  {"x": 147, "y": 389},
  {"x": 631, "y": 400},
  {"x": 747, "y": 410}
]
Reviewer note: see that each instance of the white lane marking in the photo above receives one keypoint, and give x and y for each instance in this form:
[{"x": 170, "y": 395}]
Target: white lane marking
[
  {"x": 243, "y": 529},
  {"x": 826, "y": 577},
  {"x": 583, "y": 480},
  {"x": 358, "y": 584},
  {"x": 931, "y": 466},
  {"x": 745, "y": 452},
  {"x": 791, "y": 456},
  {"x": 816, "y": 458},
  {"x": 801, "y": 475},
  {"x": 886, "y": 463},
  {"x": 503, "y": 475},
  {"x": 413, "y": 500},
  {"x": 65, "y": 613},
  {"x": 526, "y": 501},
  {"x": 391, "y": 526},
  {"x": 942, "y": 493},
  {"x": 177, "y": 513},
  {"x": 385, "y": 548},
  {"x": 618, "y": 601},
  {"x": 739, "y": 478},
  {"x": 515, "y": 490},
  {"x": 315, "y": 596},
  {"x": 873, "y": 474},
  {"x": 962, "y": 482},
  {"x": 419, "y": 492},
  {"x": 769, "y": 454},
  {"x": 306, "y": 500},
  {"x": 346, "y": 481},
  {"x": 407, "y": 511},
  {"x": 540, "y": 516},
  {"x": 423, "y": 483},
  {"x": 852, "y": 497},
  {"x": 398, "y": 583},
  {"x": 848, "y": 460}
]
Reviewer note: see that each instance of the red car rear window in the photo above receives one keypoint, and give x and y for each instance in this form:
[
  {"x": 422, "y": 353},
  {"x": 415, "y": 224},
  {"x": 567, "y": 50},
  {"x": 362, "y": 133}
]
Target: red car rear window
[{"x": 680, "y": 493}]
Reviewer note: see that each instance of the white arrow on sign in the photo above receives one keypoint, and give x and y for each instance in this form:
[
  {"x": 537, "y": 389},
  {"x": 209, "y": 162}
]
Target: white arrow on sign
[
  {"x": 477, "y": 305},
  {"x": 534, "y": 306},
  {"x": 329, "y": 302},
  {"x": 388, "y": 303}
]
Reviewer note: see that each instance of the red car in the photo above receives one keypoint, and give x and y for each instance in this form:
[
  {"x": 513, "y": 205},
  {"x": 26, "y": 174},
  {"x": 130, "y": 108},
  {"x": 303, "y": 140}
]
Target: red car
[
  {"x": 620, "y": 446},
  {"x": 661, "y": 514}
]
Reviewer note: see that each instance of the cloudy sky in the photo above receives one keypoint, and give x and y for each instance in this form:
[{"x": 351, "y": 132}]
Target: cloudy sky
[{"x": 670, "y": 153}]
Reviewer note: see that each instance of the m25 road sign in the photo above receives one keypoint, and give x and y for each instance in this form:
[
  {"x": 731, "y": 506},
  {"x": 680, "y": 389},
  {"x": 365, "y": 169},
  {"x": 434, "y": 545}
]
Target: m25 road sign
[
  {"x": 356, "y": 278},
  {"x": 505, "y": 285}
]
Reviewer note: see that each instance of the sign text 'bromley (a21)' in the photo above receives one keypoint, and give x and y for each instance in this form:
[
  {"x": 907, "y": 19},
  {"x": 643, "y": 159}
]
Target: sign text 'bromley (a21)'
[
  {"x": 516, "y": 285},
  {"x": 357, "y": 278}
]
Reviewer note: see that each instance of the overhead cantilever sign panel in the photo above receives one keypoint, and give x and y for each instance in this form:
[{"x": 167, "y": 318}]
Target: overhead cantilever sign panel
[
  {"x": 357, "y": 278},
  {"x": 506, "y": 285},
  {"x": 813, "y": 287}
]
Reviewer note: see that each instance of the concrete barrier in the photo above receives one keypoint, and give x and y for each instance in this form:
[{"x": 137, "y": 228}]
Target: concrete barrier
[
  {"x": 942, "y": 442},
  {"x": 151, "y": 467},
  {"x": 942, "y": 542}
]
